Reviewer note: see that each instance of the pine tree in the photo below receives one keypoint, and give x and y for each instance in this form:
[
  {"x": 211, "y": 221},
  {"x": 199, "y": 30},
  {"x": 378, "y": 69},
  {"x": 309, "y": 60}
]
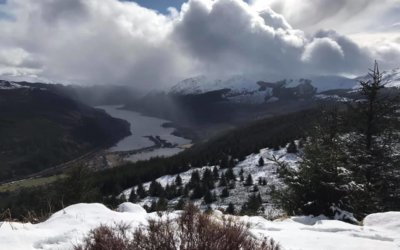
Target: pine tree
[
  {"x": 156, "y": 189},
  {"x": 132, "y": 196},
  {"x": 249, "y": 181},
  {"x": 252, "y": 205},
  {"x": 230, "y": 175},
  {"x": 215, "y": 173},
  {"x": 372, "y": 155},
  {"x": 194, "y": 179},
  {"x": 180, "y": 205},
  {"x": 208, "y": 179},
  {"x": 322, "y": 180},
  {"x": 224, "y": 193},
  {"x": 222, "y": 181},
  {"x": 292, "y": 148},
  {"x": 198, "y": 192},
  {"x": 230, "y": 209},
  {"x": 178, "y": 181},
  {"x": 261, "y": 162},
  {"x": 141, "y": 192},
  {"x": 241, "y": 175},
  {"x": 208, "y": 197}
]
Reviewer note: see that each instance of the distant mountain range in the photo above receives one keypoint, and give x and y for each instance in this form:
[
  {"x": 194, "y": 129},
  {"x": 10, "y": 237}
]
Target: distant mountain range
[
  {"x": 391, "y": 78},
  {"x": 250, "y": 90}
]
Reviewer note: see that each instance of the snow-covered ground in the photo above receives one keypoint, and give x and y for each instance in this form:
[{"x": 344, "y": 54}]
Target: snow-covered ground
[
  {"x": 240, "y": 193},
  {"x": 69, "y": 226}
]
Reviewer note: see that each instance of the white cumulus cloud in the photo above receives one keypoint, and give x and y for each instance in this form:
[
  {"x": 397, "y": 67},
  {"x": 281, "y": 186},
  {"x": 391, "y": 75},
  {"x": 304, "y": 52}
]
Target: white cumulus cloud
[{"x": 114, "y": 42}]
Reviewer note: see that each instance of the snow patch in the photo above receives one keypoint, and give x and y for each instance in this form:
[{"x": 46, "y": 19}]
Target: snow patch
[{"x": 69, "y": 226}]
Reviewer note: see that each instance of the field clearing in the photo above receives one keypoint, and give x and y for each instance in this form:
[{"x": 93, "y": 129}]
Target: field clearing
[{"x": 33, "y": 182}]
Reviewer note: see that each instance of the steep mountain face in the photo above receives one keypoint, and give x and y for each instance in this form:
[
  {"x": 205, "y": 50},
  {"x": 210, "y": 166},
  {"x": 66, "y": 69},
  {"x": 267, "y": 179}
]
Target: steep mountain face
[
  {"x": 40, "y": 129},
  {"x": 242, "y": 89}
]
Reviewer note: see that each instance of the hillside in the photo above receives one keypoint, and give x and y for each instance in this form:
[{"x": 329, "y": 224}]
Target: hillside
[{"x": 41, "y": 129}]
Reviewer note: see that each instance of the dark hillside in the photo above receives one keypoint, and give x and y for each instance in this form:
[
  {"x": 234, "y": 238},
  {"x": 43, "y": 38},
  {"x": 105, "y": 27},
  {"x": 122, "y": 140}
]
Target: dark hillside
[{"x": 40, "y": 129}]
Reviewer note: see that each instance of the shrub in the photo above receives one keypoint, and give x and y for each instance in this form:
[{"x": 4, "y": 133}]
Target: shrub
[{"x": 193, "y": 230}]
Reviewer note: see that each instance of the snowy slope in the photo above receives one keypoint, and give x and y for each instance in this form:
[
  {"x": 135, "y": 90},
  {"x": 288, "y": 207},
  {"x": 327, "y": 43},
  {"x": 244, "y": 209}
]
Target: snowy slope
[
  {"x": 240, "y": 193},
  {"x": 246, "y": 89},
  {"x": 324, "y": 83},
  {"x": 69, "y": 226},
  {"x": 241, "y": 88},
  {"x": 7, "y": 85},
  {"x": 390, "y": 77}
]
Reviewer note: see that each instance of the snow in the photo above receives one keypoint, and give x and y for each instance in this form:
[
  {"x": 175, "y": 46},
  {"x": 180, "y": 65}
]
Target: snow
[
  {"x": 203, "y": 84},
  {"x": 68, "y": 227},
  {"x": 6, "y": 85},
  {"x": 240, "y": 193},
  {"x": 389, "y": 77},
  {"x": 245, "y": 89},
  {"x": 388, "y": 221}
]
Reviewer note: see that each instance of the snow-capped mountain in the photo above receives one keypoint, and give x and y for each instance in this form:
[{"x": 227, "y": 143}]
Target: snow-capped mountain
[
  {"x": 247, "y": 89},
  {"x": 390, "y": 77},
  {"x": 204, "y": 84},
  {"x": 6, "y": 85}
]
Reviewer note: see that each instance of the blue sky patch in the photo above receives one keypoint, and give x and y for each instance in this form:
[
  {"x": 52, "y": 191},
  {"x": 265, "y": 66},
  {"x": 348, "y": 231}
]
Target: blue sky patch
[{"x": 159, "y": 5}]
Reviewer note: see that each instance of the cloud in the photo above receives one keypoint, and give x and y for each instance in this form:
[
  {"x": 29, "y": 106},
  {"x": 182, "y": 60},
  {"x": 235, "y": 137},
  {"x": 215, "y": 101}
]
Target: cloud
[
  {"x": 114, "y": 42},
  {"x": 345, "y": 16}
]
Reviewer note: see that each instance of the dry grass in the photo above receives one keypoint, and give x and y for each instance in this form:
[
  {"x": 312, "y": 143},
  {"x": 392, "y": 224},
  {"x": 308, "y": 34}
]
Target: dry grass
[{"x": 193, "y": 230}]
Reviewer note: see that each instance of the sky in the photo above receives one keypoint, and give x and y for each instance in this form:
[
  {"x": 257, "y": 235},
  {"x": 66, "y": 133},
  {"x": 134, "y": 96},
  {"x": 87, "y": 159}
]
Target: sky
[
  {"x": 159, "y": 5},
  {"x": 151, "y": 44}
]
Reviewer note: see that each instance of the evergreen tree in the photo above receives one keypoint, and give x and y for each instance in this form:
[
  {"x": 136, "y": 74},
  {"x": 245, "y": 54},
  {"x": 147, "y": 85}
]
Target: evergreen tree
[
  {"x": 292, "y": 148},
  {"x": 180, "y": 205},
  {"x": 249, "y": 181},
  {"x": 253, "y": 205},
  {"x": 208, "y": 179},
  {"x": 198, "y": 192},
  {"x": 132, "y": 196},
  {"x": 162, "y": 204},
  {"x": 261, "y": 162},
  {"x": 230, "y": 175},
  {"x": 224, "y": 193},
  {"x": 322, "y": 180},
  {"x": 264, "y": 182},
  {"x": 241, "y": 175},
  {"x": 156, "y": 189},
  {"x": 208, "y": 197},
  {"x": 372, "y": 153},
  {"x": 230, "y": 209},
  {"x": 141, "y": 192},
  {"x": 215, "y": 173},
  {"x": 222, "y": 181},
  {"x": 178, "y": 181},
  {"x": 194, "y": 179},
  {"x": 171, "y": 191}
]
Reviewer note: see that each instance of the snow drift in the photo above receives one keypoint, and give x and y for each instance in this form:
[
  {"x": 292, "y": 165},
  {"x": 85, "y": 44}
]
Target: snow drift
[{"x": 69, "y": 226}]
